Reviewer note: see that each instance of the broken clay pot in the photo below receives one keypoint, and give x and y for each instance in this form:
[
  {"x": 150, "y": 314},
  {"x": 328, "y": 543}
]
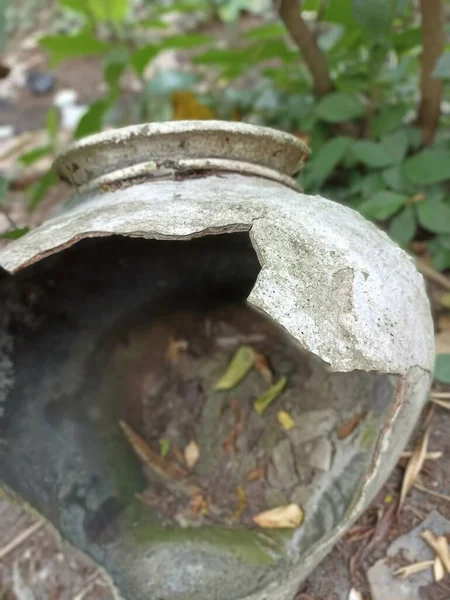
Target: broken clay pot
[{"x": 204, "y": 219}]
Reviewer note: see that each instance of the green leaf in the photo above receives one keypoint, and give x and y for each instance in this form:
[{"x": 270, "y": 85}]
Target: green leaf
[
  {"x": 434, "y": 214},
  {"x": 442, "y": 69},
  {"x": 338, "y": 107},
  {"x": 92, "y": 120},
  {"x": 396, "y": 145},
  {"x": 395, "y": 179},
  {"x": 164, "y": 447},
  {"x": 429, "y": 166},
  {"x": 52, "y": 124},
  {"x": 240, "y": 365},
  {"x": 372, "y": 154},
  {"x": 140, "y": 59},
  {"x": 340, "y": 11},
  {"x": 404, "y": 41},
  {"x": 371, "y": 184},
  {"x": 153, "y": 24},
  {"x": 389, "y": 119},
  {"x": 113, "y": 73},
  {"x": 266, "y": 31},
  {"x": 442, "y": 368},
  {"x": 100, "y": 10},
  {"x": 186, "y": 41},
  {"x": 40, "y": 189},
  {"x": 403, "y": 226},
  {"x": 29, "y": 158},
  {"x": 269, "y": 396},
  {"x": 376, "y": 16},
  {"x": 14, "y": 234},
  {"x": 383, "y": 205},
  {"x": 441, "y": 257},
  {"x": 4, "y": 184},
  {"x": 326, "y": 159},
  {"x": 62, "y": 47}
]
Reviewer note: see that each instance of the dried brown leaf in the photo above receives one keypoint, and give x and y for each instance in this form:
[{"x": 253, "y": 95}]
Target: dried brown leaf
[
  {"x": 283, "y": 517},
  {"x": 256, "y": 474},
  {"x": 438, "y": 569},
  {"x": 413, "y": 468},
  {"x": 345, "y": 430},
  {"x": 199, "y": 504},
  {"x": 191, "y": 454},
  {"x": 241, "y": 503},
  {"x": 262, "y": 366},
  {"x": 405, "y": 572},
  {"x": 240, "y": 365},
  {"x": 156, "y": 462},
  {"x": 229, "y": 444}
]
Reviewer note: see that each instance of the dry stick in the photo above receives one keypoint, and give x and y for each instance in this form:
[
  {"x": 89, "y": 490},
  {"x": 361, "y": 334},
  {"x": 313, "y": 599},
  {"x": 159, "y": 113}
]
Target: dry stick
[
  {"x": 13, "y": 544},
  {"x": 93, "y": 580},
  {"x": 443, "y": 403},
  {"x": 430, "y": 272},
  {"x": 435, "y": 544},
  {"x": 422, "y": 488},
  {"x": 440, "y": 395}
]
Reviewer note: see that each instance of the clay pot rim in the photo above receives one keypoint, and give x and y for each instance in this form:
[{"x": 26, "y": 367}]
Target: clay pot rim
[{"x": 103, "y": 153}]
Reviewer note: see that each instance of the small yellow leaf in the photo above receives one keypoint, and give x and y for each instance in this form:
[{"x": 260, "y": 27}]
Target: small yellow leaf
[
  {"x": 438, "y": 569},
  {"x": 389, "y": 499},
  {"x": 285, "y": 420},
  {"x": 282, "y": 517},
  {"x": 269, "y": 396},
  {"x": 175, "y": 348},
  {"x": 191, "y": 454},
  {"x": 240, "y": 365},
  {"x": 186, "y": 106},
  {"x": 241, "y": 503}
]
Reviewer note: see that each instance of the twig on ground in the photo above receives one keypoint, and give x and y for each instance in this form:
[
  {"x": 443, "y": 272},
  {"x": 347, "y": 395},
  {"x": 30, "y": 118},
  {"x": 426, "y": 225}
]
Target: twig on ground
[{"x": 19, "y": 539}]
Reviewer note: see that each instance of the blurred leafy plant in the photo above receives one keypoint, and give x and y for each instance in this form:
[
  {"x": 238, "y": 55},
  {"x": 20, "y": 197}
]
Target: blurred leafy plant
[{"x": 344, "y": 75}]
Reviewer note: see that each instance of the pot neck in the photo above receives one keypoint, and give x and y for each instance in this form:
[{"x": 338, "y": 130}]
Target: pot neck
[{"x": 178, "y": 150}]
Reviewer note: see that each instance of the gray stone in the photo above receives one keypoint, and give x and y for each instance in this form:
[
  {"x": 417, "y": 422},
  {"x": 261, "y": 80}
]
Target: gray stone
[
  {"x": 383, "y": 583},
  {"x": 281, "y": 472},
  {"x": 313, "y": 424},
  {"x": 321, "y": 454}
]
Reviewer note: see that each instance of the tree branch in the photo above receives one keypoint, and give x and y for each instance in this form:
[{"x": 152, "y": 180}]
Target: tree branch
[
  {"x": 431, "y": 89},
  {"x": 313, "y": 56}
]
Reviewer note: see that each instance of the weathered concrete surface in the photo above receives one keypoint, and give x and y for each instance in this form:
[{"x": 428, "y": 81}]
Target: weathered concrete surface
[{"x": 334, "y": 281}]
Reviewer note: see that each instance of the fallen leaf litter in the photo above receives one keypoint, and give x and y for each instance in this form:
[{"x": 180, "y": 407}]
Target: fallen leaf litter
[{"x": 214, "y": 448}]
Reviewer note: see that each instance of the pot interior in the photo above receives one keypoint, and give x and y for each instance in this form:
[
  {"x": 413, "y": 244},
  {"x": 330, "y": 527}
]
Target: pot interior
[{"x": 133, "y": 331}]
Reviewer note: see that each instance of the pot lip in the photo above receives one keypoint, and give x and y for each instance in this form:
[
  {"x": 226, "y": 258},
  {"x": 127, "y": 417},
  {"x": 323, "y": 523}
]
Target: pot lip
[{"x": 109, "y": 151}]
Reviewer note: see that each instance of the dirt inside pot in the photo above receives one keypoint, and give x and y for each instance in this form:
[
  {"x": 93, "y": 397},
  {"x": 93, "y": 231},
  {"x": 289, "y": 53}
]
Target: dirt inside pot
[{"x": 246, "y": 461}]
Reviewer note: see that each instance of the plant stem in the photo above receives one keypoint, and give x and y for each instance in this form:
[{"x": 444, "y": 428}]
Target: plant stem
[
  {"x": 431, "y": 89},
  {"x": 313, "y": 56}
]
